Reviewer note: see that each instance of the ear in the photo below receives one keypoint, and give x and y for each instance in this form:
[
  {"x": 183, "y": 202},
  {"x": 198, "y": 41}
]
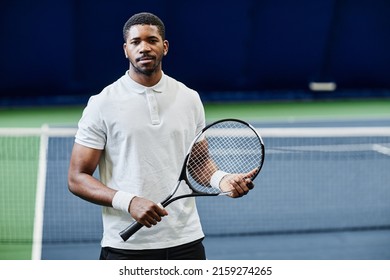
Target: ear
[
  {"x": 166, "y": 47},
  {"x": 125, "y": 51}
]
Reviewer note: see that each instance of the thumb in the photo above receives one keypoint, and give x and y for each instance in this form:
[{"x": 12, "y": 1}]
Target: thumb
[{"x": 251, "y": 173}]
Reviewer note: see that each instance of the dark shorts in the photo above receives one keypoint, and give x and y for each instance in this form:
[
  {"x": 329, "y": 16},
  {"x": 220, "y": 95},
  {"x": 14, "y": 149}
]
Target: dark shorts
[{"x": 190, "y": 251}]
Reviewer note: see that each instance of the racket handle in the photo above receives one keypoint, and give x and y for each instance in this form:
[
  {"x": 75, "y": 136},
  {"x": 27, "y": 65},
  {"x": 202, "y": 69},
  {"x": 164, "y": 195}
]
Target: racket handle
[{"x": 130, "y": 230}]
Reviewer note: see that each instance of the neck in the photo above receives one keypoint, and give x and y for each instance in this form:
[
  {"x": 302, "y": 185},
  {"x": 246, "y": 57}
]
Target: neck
[{"x": 145, "y": 80}]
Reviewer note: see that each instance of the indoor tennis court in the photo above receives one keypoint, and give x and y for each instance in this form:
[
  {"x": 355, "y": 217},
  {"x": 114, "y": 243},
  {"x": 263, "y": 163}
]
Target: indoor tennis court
[
  {"x": 323, "y": 192},
  {"x": 312, "y": 77}
]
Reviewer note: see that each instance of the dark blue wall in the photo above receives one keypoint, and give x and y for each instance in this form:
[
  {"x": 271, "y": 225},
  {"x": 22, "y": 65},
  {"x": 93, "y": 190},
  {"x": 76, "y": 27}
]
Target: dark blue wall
[{"x": 70, "y": 49}]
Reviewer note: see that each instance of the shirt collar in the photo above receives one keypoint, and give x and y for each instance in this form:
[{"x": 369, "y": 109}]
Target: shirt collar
[{"x": 138, "y": 88}]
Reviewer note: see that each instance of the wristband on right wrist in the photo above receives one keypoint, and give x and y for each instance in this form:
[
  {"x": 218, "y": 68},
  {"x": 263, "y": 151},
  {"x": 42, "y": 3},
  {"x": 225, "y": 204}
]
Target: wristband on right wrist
[{"x": 121, "y": 201}]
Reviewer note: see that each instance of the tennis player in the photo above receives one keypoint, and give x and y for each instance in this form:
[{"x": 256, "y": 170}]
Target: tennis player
[{"x": 137, "y": 130}]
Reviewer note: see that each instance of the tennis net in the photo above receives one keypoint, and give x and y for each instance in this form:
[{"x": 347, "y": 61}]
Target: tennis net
[{"x": 313, "y": 180}]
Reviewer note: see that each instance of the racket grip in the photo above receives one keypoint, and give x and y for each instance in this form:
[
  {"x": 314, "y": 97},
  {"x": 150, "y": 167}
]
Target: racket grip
[{"x": 130, "y": 230}]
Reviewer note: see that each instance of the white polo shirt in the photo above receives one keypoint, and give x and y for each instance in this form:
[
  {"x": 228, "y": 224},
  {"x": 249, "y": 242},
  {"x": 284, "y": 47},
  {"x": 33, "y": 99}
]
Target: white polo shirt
[{"x": 145, "y": 133}]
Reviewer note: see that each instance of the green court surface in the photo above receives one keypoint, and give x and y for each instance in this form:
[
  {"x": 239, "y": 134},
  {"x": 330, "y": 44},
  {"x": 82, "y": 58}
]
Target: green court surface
[
  {"x": 35, "y": 117},
  {"x": 284, "y": 111},
  {"x": 19, "y": 157}
]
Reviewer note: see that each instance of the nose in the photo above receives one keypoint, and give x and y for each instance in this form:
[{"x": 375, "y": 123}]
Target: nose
[{"x": 144, "y": 47}]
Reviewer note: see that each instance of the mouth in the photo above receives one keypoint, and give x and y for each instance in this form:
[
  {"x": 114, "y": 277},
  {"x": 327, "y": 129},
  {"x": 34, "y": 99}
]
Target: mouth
[{"x": 145, "y": 59}]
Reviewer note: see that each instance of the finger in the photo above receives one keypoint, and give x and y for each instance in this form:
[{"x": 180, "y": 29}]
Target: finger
[
  {"x": 239, "y": 186},
  {"x": 161, "y": 210},
  {"x": 249, "y": 183},
  {"x": 150, "y": 224},
  {"x": 151, "y": 217},
  {"x": 246, "y": 184},
  {"x": 251, "y": 173},
  {"x": 156, "y": 214},
  {"x": 146, "y": 222},
  {"x": 150, "y": 221}
]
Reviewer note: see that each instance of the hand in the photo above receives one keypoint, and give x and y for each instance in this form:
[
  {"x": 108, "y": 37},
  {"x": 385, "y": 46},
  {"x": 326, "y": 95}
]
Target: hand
[
  {"x": 237, "y": 184},
  {"x": 146, "y": 212}
]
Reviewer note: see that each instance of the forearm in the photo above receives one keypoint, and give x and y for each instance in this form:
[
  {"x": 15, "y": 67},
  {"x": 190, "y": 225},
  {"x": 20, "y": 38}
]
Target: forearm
[
  {"x": 200, "y": 166},
  {"x": 81, "y": 182},
  {"x": 91, "y": 189},
  {"x": 202, "y": 173}
]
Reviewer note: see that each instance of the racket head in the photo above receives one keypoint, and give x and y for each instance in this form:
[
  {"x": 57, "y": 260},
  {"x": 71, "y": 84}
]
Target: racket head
[{"x": 233, "y": 145}]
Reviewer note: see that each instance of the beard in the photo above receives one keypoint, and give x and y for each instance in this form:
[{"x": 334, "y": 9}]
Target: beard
[{"x": 147, "y": 70}]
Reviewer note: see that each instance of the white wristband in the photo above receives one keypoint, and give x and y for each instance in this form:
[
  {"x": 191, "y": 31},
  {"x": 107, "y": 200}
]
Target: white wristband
[
  {"x": 216, "y": 178},
  {"x": 121, "y": 201}
]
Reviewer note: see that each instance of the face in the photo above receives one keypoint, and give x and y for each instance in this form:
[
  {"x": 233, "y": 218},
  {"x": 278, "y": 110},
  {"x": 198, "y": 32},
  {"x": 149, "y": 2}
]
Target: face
[{"x": 145, "y": 49}]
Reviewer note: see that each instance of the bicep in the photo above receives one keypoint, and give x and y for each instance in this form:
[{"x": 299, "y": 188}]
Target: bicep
[{"x": 84, "y": 159}]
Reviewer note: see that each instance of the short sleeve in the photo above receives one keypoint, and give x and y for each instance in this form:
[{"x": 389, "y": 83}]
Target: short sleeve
[
  {"x": 201, "y": 118},
  {"x": 91, "y": 129}
]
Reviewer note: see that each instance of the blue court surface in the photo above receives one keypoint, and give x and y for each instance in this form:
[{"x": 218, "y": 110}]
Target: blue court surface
[
  {"x": 365, "y": 245},
  {"x": 317, "y": 197}
]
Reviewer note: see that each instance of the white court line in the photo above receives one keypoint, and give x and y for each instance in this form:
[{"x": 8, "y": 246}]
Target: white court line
[
  {"x": 324, "y": 131},
  {"x": 40, "y": 195},
  {"x": 381, "y": 149},
  {"x": 32, "y": 131}
]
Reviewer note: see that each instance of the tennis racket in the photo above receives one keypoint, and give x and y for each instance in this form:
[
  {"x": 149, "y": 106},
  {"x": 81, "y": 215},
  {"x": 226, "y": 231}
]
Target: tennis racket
[{"x": 229, "y": 145}]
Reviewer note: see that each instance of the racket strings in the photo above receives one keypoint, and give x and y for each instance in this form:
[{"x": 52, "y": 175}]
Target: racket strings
[{"x": 229, "y": 146}]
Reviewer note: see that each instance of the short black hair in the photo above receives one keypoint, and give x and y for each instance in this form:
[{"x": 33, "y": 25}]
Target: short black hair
[{"x": 144, "y": 18}]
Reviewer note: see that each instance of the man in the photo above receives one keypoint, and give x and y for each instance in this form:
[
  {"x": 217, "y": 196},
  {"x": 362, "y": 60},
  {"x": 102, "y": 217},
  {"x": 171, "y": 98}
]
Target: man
[{"x": 138, "y": 130}]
